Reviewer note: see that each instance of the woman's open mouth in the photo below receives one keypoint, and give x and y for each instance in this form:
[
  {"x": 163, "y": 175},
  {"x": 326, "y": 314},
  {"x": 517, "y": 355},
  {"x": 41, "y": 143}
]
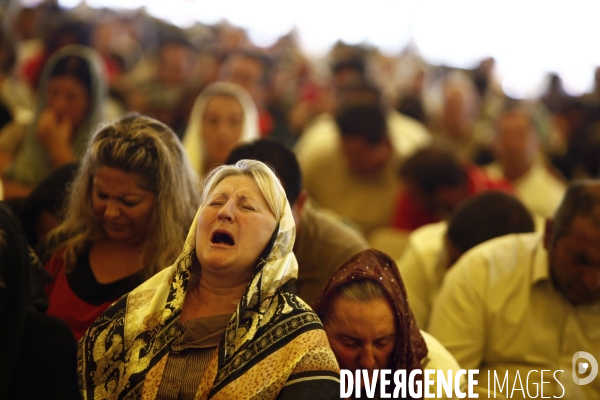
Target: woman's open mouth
[{"x": 222, "y": 237}]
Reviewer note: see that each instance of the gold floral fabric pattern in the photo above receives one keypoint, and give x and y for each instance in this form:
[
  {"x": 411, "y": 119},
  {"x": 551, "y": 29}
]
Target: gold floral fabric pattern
[{"x": 122, "y": 355}]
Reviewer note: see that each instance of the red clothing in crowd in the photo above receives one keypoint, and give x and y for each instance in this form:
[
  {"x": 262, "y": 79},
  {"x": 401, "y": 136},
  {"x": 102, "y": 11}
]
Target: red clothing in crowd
[
  {"x": 410, "y": 215},
  {"x": 78, "y": 298}
]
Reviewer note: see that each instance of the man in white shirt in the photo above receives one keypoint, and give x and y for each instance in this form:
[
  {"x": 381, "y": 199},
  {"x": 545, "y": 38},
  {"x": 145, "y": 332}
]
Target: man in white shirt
[
  {"x": 516, "y": 149},
  {"x": 434, "y": 248},
  {"x": 521, "y": 307}
]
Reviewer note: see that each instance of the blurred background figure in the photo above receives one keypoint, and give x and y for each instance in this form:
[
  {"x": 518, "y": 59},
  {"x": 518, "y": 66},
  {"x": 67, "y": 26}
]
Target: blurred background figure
[
  {"x": 253, "y": 72},
  {"x": 43, "y": 210},
  {"x": 518, "y": 159},
  {"x": 16, "y": 98},
  {"x": 455, "y": 120},
  {"x": 322, "y": 242},
  {"x": 69, "y": 106},
  {"x": 168, "y": 94},
  {"x": 224, "y": 115},
  {"x": 59, "y": 30},
  {"x": 357, "y": 178},
  {"x": 434, "y": 248},
  {"x": 434, "y": 184}
]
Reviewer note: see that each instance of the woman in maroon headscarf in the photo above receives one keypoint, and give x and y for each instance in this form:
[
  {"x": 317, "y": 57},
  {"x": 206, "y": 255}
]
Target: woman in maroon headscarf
[{"x": 369, "y": 324}]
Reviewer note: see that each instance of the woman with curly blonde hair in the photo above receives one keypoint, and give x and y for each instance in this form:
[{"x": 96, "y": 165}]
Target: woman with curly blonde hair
[{"x": 128, "y": 212}]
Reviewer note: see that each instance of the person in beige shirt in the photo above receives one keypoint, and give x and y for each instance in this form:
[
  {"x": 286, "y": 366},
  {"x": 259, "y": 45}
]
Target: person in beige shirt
[
  {"x": 434, "y": 248},
  {"x": 357, "y": 179},
  {"x": 322, "y": 242},
  {"x": 522, "y": 304},
  {"x": 517, "y": 149}
]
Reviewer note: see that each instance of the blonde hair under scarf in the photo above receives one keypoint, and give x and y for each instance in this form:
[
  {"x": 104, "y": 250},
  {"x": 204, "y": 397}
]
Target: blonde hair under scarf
[
  {"x": 135, "y": 334},
  {"x": 192, "y": 138}
]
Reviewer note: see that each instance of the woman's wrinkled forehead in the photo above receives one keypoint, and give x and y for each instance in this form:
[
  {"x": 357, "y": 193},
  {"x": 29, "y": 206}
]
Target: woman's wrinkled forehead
[{"x": 242, "y": 187}]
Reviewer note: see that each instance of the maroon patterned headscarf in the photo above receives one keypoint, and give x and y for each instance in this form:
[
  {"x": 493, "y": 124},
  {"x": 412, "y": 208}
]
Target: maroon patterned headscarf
[{"x": 374, "y": 265}]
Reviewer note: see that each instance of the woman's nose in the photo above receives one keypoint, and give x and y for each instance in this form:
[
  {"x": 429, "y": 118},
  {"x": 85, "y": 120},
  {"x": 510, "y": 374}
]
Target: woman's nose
[
  {"x": 226, "y": 211},
  {"x": 111, "y": 210},
  {"x": 367, "y": 358},
  {"x": 59, "y": 105}
]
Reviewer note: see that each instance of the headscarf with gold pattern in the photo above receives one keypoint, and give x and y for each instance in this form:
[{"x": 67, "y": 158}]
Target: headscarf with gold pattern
[{"x": 135, "y": 333}]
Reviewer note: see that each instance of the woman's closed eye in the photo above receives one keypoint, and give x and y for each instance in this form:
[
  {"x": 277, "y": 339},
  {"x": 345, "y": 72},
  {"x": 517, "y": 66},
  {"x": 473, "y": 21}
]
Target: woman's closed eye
[
  {"x": 101, "y": 195},
  {"x": 349, "y": 342},
  {"x": 384, "y": 341},
  {"x": 248, "y": 207},
  {"x": 130, "y": 203}
]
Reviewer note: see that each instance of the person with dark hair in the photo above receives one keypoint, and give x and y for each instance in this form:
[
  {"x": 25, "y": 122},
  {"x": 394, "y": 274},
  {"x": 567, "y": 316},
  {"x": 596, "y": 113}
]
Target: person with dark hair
[
  {"x": 483, "y": 217},
  {"x": 435, "y": 182},
  {"x": 516, "y": 151},
  {"x": 364, "y": 139},
  {"x": 42, "y": 210},
  {"x": 322, "y": 242},
  {"x": 33, "y": 346},
  {"x": 60, "y": 32},
  {"x": 70, "y": 105},
  {"x": 168, "y": 95},
  {"x": 347, "y": 72},
  {"x": 16, "y": 98},
  {"x": 525, "y": 303},
  {"x": 356, "y": 178},
  {"x": 321, "y": 137},
  {"x": 432, "y": 249},
  {"x": 252, "y": 71}
]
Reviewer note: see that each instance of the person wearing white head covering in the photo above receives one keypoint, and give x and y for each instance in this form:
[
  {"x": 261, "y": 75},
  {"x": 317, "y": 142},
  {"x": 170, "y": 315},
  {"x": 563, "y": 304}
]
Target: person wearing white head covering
[
  {"x": 224, "y": 115},
  {"x": 223, "y": 321},
  {"x": 60, "y": 115}
]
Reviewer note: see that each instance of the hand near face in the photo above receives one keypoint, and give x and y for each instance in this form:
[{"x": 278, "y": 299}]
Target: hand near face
[{"x": 55, "y": 134}]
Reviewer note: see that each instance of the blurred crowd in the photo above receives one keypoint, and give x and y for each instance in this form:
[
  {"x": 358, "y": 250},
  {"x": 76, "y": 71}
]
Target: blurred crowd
[
  {"x": 157, "y": 69},
  {"x": 421, "y": 161}
]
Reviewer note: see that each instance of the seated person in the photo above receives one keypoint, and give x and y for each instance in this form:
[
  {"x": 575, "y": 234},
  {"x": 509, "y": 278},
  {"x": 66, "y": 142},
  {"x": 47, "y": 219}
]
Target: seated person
[
  {"x": 43, "y": 209},
  {"x": 33, "y": 346},
  {"x": 434, "y": 248},
  {"x": 520, "y": 304},
  {"x": 460, "y": 122},
  {"x": 516, "y": 150},
  {"x": 222, "y": 321},
  {"x": 128, "y": 211},
  {"x": 357, "y": 178},
  {"x": 406, "y": 134},
  {"x": 223, "y": 116},
  {"x": 253, "y": 71},
  {"x": 435, "y": 182},
  {"x": 69, "y": 107},
  {"x": 322, "y": 242},
  {"x": 368, "y": 321}
]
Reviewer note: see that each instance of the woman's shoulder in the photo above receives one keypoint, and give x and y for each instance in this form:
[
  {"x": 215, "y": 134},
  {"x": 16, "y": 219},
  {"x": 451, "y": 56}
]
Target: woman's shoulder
[
  {"x": 56, "y": 262},
  {"x": 438, "y": 357}
]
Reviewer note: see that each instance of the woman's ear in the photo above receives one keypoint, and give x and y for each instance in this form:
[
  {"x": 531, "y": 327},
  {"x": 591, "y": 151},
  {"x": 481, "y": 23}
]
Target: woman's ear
[{"x": 298, "y": 206}]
